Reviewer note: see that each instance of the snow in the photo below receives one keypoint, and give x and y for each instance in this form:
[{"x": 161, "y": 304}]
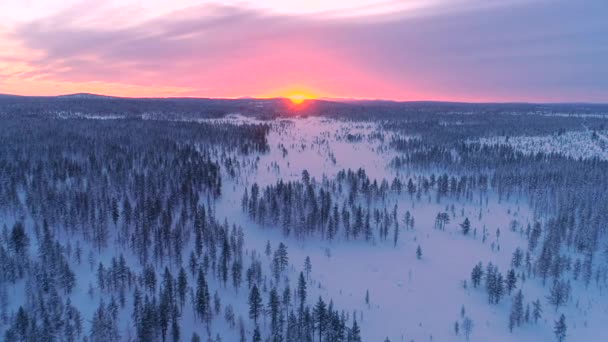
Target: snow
[
  {"x": 574, "y": 144},
  {"x": 410, "y": 299}
]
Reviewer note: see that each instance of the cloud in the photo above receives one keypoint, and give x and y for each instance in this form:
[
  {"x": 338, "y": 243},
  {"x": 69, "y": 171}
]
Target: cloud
[{"x": 467, "y": 50}]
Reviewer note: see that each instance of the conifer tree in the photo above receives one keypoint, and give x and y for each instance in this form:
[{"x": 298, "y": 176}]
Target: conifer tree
[
  {"x": 255, "y": 304},
  {"x": 560, "y": 328},
  {"x": 511, "y": 281},
  {"x": 476, "y": 274},
  {"x": 537, "y": 311},
  {"x": 307, "y": 267},
  {"x": 301, "y": 291},
  {"x": 465, "y": 226}
]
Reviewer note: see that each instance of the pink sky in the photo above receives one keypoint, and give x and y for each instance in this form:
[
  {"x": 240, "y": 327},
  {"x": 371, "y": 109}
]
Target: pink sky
[{"x": 463, "y": 50}]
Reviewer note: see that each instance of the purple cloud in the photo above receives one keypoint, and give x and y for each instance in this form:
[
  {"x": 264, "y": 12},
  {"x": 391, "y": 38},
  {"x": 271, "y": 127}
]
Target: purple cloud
[{"x": 528, "y": 51}]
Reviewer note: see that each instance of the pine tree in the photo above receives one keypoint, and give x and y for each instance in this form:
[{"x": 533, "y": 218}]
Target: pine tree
[
  {"x": 499, "y": 287},
  {"x": 203, "y": 299},
  {"x": 534, "y": 236},
  {"x": 307, "y": 267},
  {"x": 537, "y": 311},
  {"x": 175, "y": 327},
  {"x": 268, "y": 249},
  {"x": 237, "y": 270},
  {"x": 274, "y": 308},
  {"x": 320, "y": 316},
  {"x": 182, "y": 286},
  {"x": 511, "y": 281},
  {"x": 559, "y": 294},
  {"x": 354, "y": 333},
  {"x": 560, "y": 328},
  {"x": 476, "y": 274},
  {"x": 286, "y": 299},
  {"x": 395, "y": 233},
  {"x": 225, "y": 259},
  {"x": 255, "y": 304},
  {"x": 467, "y": 327},
  {"x": 257, "y": 337},
  {"x": 543, "y": 263},
  {"x": 19, "y": 241},
  {"x": 301, "y": 291},
  {"x": 518, "y": 257},
  {"x": 465, "y": 226},
  {"x": 517, "y": 311},
  {"x": 291, "y": 334}
]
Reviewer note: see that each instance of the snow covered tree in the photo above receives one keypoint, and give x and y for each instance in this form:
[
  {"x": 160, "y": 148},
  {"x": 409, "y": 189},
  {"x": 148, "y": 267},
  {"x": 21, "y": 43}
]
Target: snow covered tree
[
  {"x": 301, "y": 291},
  {"x": 103, "y": 326},
  {"x": 465, "y": 226},
  {"x": 182, "y": 286},
  {"x": 354, "y": 334},
  {"x": 307, "y": 267},
  {"x": 320, "y": 317},
  {"x": 274, "y": 309},
  {"x": 476, "y": 274},
  {"x": 560, "y": 328},
  {"x": 467, "y": 327},
  {"x": 203, "y": 299},
  {"x": 257, "y": 337},
  {"x": 559, "y": 294},
  {"x": 511, "y": 281},
  {"x": 517, "y": 311},
  {"x": 255, "y": 304},
  {"x": 517, "y": 258},
  {"x": 537, "y": 311}
]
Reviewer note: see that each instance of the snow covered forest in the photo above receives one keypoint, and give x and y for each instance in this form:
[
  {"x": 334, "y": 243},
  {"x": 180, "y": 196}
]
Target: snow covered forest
[{"x": 252, "y": 220}]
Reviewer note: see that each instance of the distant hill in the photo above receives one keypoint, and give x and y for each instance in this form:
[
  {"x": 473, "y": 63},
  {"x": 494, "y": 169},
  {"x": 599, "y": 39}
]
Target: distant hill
[
  {"x": 86, "y": 104},
  {"x": 86, "y": 96}
]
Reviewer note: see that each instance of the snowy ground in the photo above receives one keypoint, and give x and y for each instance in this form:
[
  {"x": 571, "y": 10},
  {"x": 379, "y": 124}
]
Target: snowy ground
[
  {"x": 575, "y": 144},
  {"x": 410, "y": 299}
]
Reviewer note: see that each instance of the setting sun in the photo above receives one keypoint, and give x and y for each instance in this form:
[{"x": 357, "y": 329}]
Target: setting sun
[
  {"x": 298, "y": 98},
  {"x": 296, "y": 95}
]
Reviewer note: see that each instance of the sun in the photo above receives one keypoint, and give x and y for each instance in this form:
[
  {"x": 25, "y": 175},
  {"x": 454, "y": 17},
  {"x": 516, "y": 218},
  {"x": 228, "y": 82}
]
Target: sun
[{"x": 298, "y": 98}]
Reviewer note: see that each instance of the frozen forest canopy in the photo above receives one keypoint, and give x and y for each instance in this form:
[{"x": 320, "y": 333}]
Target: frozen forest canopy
[{"x": 249, "y": 220}]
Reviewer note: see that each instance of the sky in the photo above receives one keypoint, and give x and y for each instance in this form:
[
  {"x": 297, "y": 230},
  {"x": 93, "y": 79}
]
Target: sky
[{"x": 447, "y": 50}]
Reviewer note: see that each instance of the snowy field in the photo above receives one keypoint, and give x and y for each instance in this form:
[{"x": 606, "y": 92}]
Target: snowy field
[
  {"x": 410, "y": 299},
  {"x": 416, "y": 290},
  {"x": 575, "y": 144}
]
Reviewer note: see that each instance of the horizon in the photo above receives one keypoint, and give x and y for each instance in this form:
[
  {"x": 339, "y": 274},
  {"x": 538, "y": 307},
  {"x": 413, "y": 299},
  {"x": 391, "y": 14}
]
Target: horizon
[
  {"x": 469, "y": 51},
  {"x": 326, "y": 99}
]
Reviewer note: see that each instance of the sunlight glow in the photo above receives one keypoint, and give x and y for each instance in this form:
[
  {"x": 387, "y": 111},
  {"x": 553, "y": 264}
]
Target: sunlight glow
[{"x": 298, "y": 98}]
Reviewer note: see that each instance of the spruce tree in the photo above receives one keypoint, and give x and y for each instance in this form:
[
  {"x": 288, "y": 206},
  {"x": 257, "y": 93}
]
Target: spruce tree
[
  {"x": 511, "y": 281},
  {"x": 301, "y": 291},
  {"x": 203, "y": 299},
  {"x": 255, "y": 304},
  {"x": 320, "y": 316},
  {"x": 465, "y": 226},
  {"x": 560, "y": 328},
  {"x": 476, "y": 274},
  {"x": 537, "y": 312},
  {"x": 307, "y": 267}
]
